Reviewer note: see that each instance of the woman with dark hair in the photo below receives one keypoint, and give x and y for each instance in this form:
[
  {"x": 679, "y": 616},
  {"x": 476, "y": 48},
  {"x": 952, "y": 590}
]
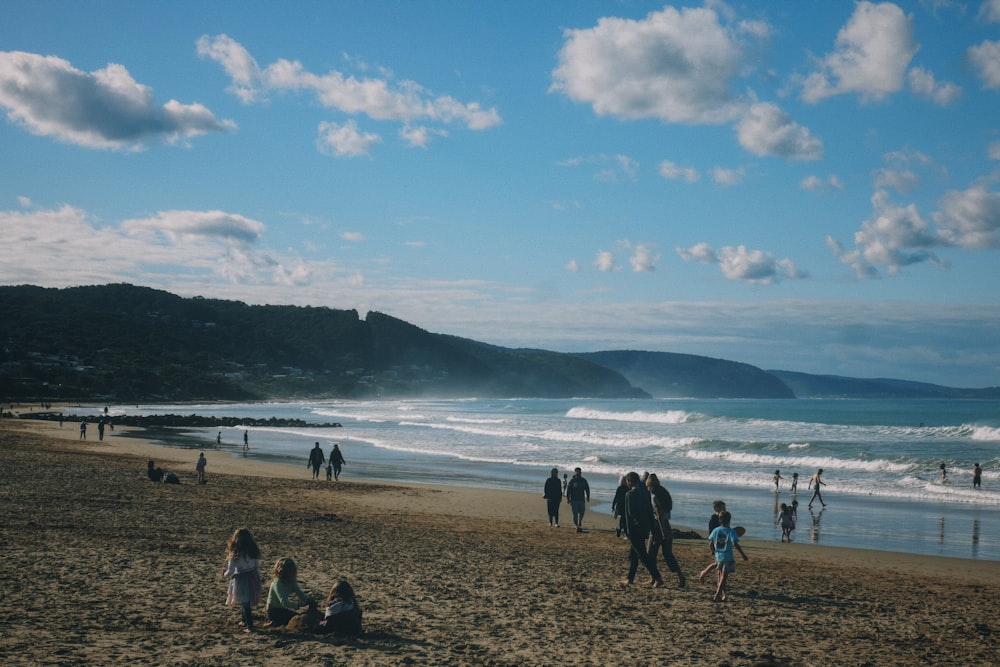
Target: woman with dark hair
[{"x": 663, "y": 534}]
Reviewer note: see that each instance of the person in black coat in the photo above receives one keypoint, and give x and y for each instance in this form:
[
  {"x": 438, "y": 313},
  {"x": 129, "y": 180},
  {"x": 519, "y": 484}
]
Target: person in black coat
[
  {"x": 553, "y": 496},
  {"x": 638, "y": 522},
  {"x": 663, "y": 534}
]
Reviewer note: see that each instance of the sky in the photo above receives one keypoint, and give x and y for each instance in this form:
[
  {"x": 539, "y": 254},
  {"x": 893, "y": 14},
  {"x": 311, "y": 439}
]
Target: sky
[{"x": 805, "y": 186}]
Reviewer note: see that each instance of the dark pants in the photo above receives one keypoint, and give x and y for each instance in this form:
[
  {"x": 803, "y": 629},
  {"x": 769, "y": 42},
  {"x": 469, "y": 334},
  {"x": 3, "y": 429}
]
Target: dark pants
[
  {"x": 279, "y": 616},
  {"x": 667, "y": 544},
  {"x": 637, "y": 553},
  {"x": 247, "y": 616},
  {"x": 554, "y": 510}
]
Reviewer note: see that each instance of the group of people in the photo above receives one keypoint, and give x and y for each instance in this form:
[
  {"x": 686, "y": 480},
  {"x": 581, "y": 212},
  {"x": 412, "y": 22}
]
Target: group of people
[
  {"x": 335, "y": 464},
  {"x": 814, "y": 483},
  {"x": 642, "y": 506},
  {"x": 342, "y": 614}
]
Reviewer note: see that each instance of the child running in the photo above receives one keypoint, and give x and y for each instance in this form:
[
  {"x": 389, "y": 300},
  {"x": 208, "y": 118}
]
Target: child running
[
  {"x": 243, "y": 558},
  {"x": 787, "y": 522},
  {"x": 284, "y": 584},
  {"x": 723, "y": 541},
  {"x": 718, "y": 507}
]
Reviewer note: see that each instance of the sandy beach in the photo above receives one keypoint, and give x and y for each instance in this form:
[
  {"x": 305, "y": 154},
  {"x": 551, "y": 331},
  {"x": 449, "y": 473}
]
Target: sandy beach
[{"x": 104, "y": 566}]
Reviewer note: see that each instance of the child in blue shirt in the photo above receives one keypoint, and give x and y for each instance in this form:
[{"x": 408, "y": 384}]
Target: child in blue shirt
[{"x": 723, "y": 541}]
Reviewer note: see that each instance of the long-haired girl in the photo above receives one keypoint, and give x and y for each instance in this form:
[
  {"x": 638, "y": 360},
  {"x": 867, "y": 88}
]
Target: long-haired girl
[{"x": 243, "y": 559}]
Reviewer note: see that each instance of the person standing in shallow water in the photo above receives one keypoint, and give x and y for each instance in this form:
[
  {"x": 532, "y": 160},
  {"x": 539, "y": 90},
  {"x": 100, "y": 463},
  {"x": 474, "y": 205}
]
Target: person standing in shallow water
[
  {"x": 553, "y": 497},
  {"x": 814, "y": 484},
  {"x": 977, "y": 476}
]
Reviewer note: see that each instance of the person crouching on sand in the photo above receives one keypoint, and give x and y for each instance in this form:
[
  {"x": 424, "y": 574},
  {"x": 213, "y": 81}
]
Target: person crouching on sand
[{"x": 284, "y": 584}]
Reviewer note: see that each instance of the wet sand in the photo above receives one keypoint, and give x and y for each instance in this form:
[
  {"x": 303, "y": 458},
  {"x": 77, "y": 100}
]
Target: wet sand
[{"x": 103, "y": 566}]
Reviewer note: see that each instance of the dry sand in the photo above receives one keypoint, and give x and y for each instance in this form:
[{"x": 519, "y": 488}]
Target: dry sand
[{"x": 103, "y": 566}]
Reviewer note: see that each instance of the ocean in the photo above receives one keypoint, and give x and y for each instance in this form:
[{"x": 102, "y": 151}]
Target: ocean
[{"x": 881, "y": 458}]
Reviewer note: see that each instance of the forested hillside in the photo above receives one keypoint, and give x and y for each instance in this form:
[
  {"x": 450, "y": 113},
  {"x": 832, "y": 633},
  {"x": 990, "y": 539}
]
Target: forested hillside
[{"x": 139, "y": 344}]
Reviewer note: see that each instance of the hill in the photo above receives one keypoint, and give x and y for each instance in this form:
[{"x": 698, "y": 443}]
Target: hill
[
  {"x": 139, "y": 344},
  {"x": 835, "y": 386},
  {"x": 672, "y": 375}
]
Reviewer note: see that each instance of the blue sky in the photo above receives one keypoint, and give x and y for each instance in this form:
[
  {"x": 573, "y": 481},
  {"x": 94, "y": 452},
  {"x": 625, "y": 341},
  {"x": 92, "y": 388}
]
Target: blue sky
[{"x": 808, "y": 186}]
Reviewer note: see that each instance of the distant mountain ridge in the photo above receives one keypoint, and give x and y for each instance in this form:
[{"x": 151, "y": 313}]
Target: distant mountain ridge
[{"x": 130, "y": 344}]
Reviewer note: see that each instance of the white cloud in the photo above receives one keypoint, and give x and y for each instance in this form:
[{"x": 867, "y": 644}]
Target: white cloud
[
  {"x": 353, "y": 237},
  {"x": 740, "y": 263},
  {"x": 673, "y": 171},
  {"x": 605, "y": 261},
  {"x": 767, "y": 130},
  {"x": 872, "y": 53},
  {"x": 893, "y": 237},
  {"x": 406, "y": 102},
  {"x": 989, "y": 11},
  {"x": 728, "y": 177},
  {"x": 817, "y": 184},
  {"x": 420, "y": 136},
  {"x": 986, "y": 58},
  {"x": 643, "y": 259},
  {"x": 572, "y": 266},
  {"x": 345, "y": 140},
  {"x": 105, "y": 109},
  {"x": 611, "y": 168},
  {"x": 923, "y": 83},
  {"x": 970, "y": 218},
  {"x": 186, "y": 226},
  {"x": 672, "y": 65}
]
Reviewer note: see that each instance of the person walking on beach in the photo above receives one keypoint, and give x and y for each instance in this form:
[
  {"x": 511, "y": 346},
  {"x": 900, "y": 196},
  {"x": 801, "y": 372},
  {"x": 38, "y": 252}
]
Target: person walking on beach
[
  {"x": 83, "y": 430},
  {"x": 618, "y": 506},
  {"x": 977, "y": 476},
  {"x": 663, "y": 534},
  {"x": 638, "y": 522},
  {"x": 246, "y": 442},
  {"x": 723, "y": 541},
  {"x": 718, "y": 507},
  {"x": 316, "y": 460},
  {"x": 242, "y": 565},
  {"x": 578, "y": 495},
  {"x": 553, "y": 497},
  {"x": 814, "y": 483},
  {"x": 218, "y": 438},
  {"x": 337, "y": 461},
  {"x": 200, "y": 467},
  {"x": 777, "y": 478},
  {"x": 794, "y": 488}
]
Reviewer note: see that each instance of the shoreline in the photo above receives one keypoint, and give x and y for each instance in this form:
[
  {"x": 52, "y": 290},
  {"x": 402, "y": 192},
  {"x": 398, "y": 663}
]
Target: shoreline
[
  {"x": 480, "y": 502},
  {"x": 104, "y": 566}
]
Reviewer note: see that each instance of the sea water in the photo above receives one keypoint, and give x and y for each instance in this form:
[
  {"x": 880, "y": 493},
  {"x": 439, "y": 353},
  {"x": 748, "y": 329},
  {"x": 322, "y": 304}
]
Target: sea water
[{"x": 881, "y": 458}]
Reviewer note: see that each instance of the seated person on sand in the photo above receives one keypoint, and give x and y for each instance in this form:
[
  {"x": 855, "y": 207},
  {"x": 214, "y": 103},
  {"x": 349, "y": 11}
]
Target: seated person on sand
[
  {"x": 343, "y": 615},
  {"x": 284, "y": 584},
  {"x": 155, "y": 474}
]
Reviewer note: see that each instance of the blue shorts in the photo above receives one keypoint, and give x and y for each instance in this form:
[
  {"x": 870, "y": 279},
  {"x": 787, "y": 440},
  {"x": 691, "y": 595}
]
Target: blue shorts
[{"x": 727, "y": 566}]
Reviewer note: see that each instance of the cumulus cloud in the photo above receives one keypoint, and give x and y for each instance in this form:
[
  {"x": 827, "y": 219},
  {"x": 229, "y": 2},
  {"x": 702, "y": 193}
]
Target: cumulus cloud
[
  {"x": 740, "y": 263},
  {"x": 672, "y": 171},
  {"x": 817, "y": 184},
  {"x": 674, "y": 65},
  {"x": 605, "y": 261},
  {"x": 187, "y": 226},
  {"x": 871, "y": 55},
  {"x": 105, "y": 109},
  {"x": 405, "y": 102},
  {"x": 572, "y": 266},
  {"x": 728, "y": 177},
  {"x": 922, "y": 82},
  {"x": 969, "y": 218},
  {"x": 767, "y": 130},
  {"x": 989, "y": 11},
  {"x": 985, "y": 58},
  {"x": 643, "y": 258},
  {"x": 345, "y": 140}
]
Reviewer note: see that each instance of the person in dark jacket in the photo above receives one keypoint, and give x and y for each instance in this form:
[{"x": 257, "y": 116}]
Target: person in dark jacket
[
  {"x": 553, "y": 496},
  {"x": 618, "y": 506},
  {"x": 638, "y": 522},
  {"x": 578, "y": 495},
  {"x": 663, "y": 534}
]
